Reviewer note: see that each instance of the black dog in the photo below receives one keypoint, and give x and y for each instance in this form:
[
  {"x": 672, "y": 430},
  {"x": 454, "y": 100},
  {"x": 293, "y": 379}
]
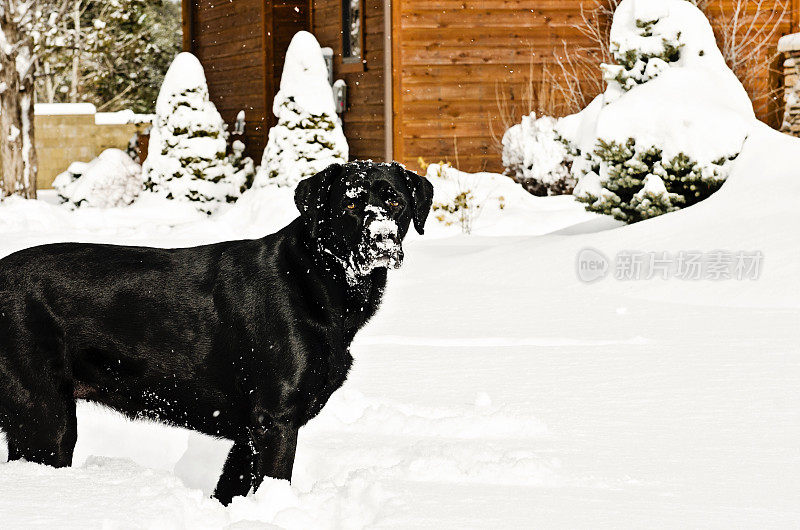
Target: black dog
[{"x": 244, "y": 340}]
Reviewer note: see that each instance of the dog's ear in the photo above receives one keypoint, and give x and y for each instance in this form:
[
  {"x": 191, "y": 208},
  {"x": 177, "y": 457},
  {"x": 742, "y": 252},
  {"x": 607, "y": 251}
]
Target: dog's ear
[
  {"x": 421, "y": 196},
  {"x": 313, "y": 192}
]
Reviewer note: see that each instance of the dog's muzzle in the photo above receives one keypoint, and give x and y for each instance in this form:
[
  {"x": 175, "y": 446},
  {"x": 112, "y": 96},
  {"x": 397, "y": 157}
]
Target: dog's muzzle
[
  {"x": 383, "y": 243},
  {"x": 385, "y": 251}
]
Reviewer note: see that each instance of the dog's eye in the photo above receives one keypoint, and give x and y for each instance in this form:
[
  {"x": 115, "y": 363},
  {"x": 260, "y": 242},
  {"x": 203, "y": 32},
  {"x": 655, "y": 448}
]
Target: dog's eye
[
  {"x": 351, "y": 206},
  {"x": 393, "y": 203}
]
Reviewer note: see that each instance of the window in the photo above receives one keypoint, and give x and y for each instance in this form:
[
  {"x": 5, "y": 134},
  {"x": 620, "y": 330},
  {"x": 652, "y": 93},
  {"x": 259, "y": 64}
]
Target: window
[{"x": 352, "y": 31}]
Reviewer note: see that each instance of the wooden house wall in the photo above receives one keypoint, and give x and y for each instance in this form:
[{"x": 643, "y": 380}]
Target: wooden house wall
[
  {"x": 364, "y": 118},
  {"x": 227, "y": 37},
  {"x": 454, "y": 59},
  {"x": 451, "y": 61}
]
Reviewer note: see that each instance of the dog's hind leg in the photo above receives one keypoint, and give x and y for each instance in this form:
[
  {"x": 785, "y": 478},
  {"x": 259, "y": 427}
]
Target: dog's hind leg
[
  {"x": 37, "y": 403},
  {"x": 45, "y": 433}
]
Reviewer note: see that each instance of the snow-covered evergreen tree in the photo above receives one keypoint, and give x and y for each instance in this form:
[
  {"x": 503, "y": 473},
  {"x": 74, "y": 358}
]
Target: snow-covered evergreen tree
[
  {"x": 187, "y": 157},
  {"x": 308, "y": 136},
  {"x": 245, "y": 169},
  {"x": 645, "y": 49},
  {"x": 673, "y": 117}
]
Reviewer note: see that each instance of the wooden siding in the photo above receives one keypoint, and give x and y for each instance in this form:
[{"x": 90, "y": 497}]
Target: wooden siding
[
  {"x": 451, "y": 58},
  {"x": 242, "y": 44},
  {"x": 364, "y": 118},
  {"x": 454, "y": 59}
]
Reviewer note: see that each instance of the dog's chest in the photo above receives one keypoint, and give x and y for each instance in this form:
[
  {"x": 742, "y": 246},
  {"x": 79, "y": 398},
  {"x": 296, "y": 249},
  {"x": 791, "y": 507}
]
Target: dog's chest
[{"x": 322, "y": 379}]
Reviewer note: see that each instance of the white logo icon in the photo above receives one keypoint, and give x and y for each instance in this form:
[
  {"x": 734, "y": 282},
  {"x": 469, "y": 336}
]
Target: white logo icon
[{"x": 591, "y": 265}]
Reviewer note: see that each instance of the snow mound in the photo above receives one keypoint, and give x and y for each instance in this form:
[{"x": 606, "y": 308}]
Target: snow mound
[
  {"x": 356, "y": 504},
  {"x": 260, "y": 211},
  {"x": 351, "y": 411},
  {"x": 112, "y": 179},
  {"x": 684, "y": 110},
  {"x": 695, "y": 105},
  {"x": 128, "y": 493}
]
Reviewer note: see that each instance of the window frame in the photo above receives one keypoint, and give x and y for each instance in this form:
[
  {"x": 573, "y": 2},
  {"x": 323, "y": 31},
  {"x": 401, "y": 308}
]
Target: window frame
[{"x": 352, "y": 64}]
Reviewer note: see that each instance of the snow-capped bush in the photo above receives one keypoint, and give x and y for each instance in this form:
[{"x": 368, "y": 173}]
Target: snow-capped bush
[
  {"x": 308, "y": 136},
  {"x": 187, "y": 158},
  {"x": 112, "y": 179},
  {"x": 535, "y": 156},
  {"x": 665, "y": 132},
  {"x": 460, "y": 198}
]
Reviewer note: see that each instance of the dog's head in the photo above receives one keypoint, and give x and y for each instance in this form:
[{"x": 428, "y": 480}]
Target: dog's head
[{"x": 360, "y": 212}]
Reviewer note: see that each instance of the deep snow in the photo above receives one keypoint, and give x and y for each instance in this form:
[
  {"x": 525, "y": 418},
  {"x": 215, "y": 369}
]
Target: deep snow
[{"x": 493, "y": 388}]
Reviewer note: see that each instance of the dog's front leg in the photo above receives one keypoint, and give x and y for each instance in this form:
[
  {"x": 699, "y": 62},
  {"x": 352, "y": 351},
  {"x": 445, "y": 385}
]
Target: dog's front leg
[
  {"x": 275, "y": 442},
  {"x": 238, "y": 473},
  {"x": 268, "y": 451}
]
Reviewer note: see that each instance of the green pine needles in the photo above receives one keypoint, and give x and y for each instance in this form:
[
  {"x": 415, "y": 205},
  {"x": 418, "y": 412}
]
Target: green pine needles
[{"x": 638, "y": 183}]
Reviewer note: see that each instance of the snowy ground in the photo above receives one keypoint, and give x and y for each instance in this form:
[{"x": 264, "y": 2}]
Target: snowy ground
[{"x": 495, "y": 389}]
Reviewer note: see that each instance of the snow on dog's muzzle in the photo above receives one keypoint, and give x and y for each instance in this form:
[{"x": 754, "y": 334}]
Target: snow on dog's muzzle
[{"x": 383, "y": 242}]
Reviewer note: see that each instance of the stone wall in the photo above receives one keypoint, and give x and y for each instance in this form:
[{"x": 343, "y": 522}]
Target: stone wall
[
  {"x": 75, "y": 133},
  {"x": 789, "y": 46}
]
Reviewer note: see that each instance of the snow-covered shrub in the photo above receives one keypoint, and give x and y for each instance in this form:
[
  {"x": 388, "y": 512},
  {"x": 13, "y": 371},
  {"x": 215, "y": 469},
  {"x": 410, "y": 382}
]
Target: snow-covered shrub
[
  {"x": 308, "y": 136},
  {"x": 112, "y": 179},
  {"x": 536, "y": 157},
  {"x": 455, "y": 202},
  {"x": 665, "y": 132},
  {"x": 188, "y": 158}
]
